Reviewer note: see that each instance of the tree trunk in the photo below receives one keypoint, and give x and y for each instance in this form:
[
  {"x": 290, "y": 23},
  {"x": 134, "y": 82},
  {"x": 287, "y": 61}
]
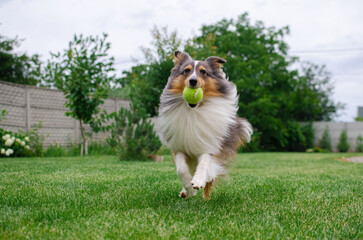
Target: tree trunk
[
  {"x": 82, "y": 149},
  {"x": 85, "y": 147},
  {"x": 84, "y": 143}
]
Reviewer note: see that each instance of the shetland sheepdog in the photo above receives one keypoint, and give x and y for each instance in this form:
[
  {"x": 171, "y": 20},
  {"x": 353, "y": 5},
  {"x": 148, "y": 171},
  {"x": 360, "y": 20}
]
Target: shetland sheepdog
[{"x": 203, "y": 137}]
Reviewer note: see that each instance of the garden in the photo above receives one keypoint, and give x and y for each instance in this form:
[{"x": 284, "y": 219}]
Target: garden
[{"x": 283, "y": 184}]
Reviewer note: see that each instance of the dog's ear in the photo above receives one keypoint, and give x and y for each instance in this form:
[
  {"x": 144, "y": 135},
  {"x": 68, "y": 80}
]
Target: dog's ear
[
  {"x": 180, "y": 57},
  {"x": 216, "y": 62}
]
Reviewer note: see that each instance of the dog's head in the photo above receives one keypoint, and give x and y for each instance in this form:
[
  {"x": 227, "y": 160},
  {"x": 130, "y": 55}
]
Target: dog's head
[{"x": 207, "y": 75}]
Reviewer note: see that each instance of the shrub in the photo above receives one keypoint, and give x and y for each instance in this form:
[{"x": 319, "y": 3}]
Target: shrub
[
  {"x": 14, "y": 144},
  {"x": 36, "y": 140},
  {"x": 359, "y": 144},
  {"x": 343, "y": 145},
  {"x": 293, "y": 137},
  {"x": 22, "y": 144},
  {"x": 308, "y": 132},
  {"x": 325, "y": 142},
  {"x": 132, "y": 134}
]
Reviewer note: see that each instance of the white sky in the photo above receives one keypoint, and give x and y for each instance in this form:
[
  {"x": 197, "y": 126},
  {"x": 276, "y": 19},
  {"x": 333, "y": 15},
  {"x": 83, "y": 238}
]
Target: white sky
[{"x": 48, "y": 25}]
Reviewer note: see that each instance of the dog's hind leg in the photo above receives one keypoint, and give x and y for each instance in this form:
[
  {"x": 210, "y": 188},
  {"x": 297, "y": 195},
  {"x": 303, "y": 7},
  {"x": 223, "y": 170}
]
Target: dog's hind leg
[
  {"x": 207, "y": 190},
  {"x": 183, "y": 172}
]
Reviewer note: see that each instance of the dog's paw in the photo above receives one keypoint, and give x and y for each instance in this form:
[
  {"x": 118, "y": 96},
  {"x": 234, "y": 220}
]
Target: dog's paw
[
  {"x": 198, "y": 183},
  {"x": 184, "y": 193}
]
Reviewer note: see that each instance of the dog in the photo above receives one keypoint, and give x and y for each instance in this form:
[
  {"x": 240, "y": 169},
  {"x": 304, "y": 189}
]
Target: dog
[{"x": 202, "y": 137}]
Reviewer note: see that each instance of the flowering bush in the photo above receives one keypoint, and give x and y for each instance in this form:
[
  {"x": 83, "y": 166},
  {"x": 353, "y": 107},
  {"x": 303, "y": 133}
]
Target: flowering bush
[{"x": 14, "y": 144}]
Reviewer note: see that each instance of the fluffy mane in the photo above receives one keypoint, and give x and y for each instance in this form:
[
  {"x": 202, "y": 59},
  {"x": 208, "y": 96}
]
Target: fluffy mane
[{"x": 213, "y": 127}]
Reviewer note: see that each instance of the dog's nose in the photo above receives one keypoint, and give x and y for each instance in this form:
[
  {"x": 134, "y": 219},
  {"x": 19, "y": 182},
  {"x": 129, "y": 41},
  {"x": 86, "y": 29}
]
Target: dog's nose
[{"x": 193, "y": 82}]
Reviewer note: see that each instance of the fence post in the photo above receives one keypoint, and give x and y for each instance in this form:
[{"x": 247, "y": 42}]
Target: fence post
[{"x": 27, "y": 108}]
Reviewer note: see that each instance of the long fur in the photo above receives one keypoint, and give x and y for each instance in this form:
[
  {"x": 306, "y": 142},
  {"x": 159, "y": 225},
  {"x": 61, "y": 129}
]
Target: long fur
[{"x": 207, "y": 135}]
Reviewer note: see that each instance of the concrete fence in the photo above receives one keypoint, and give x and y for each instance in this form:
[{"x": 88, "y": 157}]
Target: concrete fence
[
  {"x": 28, "y": 105},
  {"x": 354, "y": 129}
]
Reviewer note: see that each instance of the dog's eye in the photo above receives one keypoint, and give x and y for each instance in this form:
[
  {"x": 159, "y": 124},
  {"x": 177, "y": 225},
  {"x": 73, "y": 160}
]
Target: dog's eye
[
  {"x": 203, "y": 72},
  {"x": 186, "y": 71}
]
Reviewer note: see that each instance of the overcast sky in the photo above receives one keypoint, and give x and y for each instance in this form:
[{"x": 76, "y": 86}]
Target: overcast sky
[{"x": 322, "y": 31}]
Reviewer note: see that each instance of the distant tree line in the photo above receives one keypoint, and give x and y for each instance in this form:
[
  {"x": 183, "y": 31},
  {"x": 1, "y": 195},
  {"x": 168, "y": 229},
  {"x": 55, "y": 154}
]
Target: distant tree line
[{"x": 15, "y": 67}]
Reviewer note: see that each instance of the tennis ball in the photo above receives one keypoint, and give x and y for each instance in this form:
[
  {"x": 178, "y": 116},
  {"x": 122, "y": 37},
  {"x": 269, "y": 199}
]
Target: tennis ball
[{"x": 193, "y": 95}]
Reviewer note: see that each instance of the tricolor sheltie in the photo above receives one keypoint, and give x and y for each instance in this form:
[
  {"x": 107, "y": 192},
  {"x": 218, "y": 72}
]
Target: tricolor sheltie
[{"x": 203, "y": 137}]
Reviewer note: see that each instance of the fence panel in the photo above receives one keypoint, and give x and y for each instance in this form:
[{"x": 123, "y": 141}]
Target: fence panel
[{"x": 29, "y": 105}]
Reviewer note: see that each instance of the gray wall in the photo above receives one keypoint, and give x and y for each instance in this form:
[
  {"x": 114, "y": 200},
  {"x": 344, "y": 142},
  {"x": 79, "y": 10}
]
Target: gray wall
[
  {"x": 27, "y": 105},
  {"x": 335, "y": 128},
  {"x": 360, "y": 112}
]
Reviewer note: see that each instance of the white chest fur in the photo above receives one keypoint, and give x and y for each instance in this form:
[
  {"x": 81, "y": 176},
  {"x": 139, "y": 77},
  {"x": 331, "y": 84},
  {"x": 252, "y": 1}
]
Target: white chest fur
[{"x": 200, "y": 130}]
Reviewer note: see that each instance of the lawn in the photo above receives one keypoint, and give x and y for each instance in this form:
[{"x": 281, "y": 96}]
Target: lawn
[{"x": 266, "y": 195}]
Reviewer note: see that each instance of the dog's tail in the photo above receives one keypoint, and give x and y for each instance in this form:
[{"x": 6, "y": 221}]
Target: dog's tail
[
  {"x": 245, "y": 131},
  {"x": 207, "y": 190}
]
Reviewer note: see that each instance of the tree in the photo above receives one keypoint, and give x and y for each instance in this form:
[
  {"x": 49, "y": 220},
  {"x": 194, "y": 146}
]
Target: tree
[
  {"x": 359, "y": 144},
  {"x": 146, "y": 81},
  {"x": 325, "y": 142},
  {"x": 15, "y": 68},
  {"x": 343, "y": 145},
  {"x": 313, "y": 100},
  {"x": 83, "y": 72}
]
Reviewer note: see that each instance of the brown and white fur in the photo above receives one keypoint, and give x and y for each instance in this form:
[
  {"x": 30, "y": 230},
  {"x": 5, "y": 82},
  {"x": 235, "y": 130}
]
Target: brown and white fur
[{"x": 203, "y": 137}]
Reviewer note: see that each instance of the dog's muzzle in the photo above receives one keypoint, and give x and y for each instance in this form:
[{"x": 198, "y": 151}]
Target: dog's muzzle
[{"x": 192, "y": 105}]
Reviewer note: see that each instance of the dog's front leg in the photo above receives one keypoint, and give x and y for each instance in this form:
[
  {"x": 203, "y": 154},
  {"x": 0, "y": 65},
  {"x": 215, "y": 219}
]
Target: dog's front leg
[
  {"x": 208, "y": 170},
  {"x": 183, "y": 171}
]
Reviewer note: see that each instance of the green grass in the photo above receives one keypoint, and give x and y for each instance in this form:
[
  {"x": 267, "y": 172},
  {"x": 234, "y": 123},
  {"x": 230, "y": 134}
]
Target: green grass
[{"x": 266, "y": 195}]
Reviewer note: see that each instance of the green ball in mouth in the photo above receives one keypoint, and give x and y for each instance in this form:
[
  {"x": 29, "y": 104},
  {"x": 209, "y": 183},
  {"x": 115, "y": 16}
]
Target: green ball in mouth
[{"x": 193, "y": 95}]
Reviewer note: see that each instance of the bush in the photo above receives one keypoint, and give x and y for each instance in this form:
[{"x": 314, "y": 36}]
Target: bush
[
  {"x": 343, "y": 145},
  {"x": 308, "y": 132},
  {"x": 22, "y": 144},
  {"x": 36, "y": 140},
  {"x": 132, "y": 134},
  {"x": 359, "y": 144},
  {"x": 325, "y": 142},
  {"x": 294, "y": 137},
  {"x": 14, "y": 144}
]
